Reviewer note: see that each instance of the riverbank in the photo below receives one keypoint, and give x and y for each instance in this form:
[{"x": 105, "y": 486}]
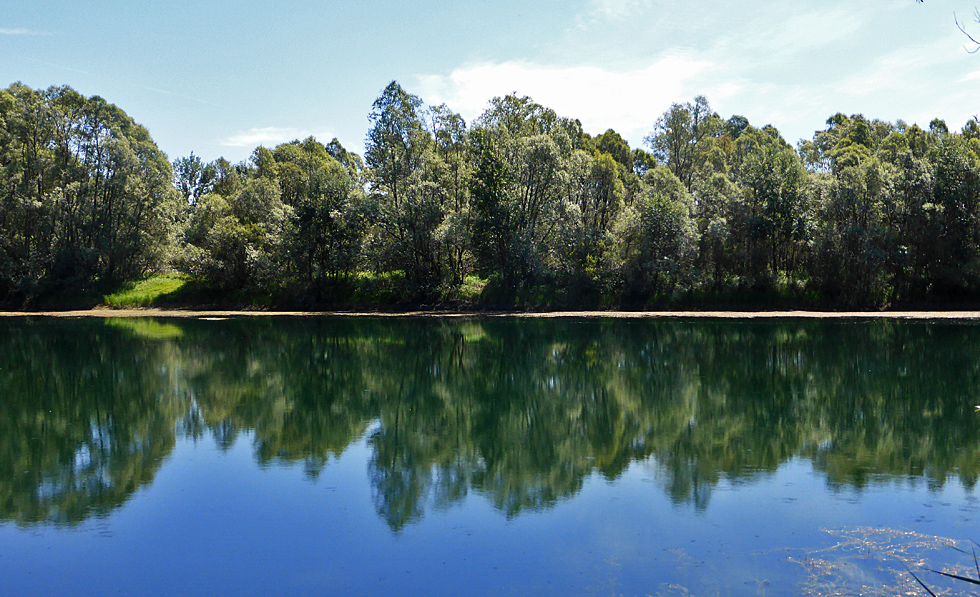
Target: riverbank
[{"x": 215, "y": 314}]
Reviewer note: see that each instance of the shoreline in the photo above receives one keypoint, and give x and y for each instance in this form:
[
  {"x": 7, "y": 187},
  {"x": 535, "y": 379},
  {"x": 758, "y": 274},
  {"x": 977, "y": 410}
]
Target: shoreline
[{"x": 225, "y": 314}]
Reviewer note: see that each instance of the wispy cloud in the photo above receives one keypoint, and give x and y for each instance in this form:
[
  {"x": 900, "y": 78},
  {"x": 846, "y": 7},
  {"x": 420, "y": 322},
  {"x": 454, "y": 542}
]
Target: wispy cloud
[
  {"x": 61, "y": 66},
  {"x": 269, "y": 136},
  {"x": 793, "y": 33},
  {"x": 181, "y": 96},
  {"x": 618, "y": 9},
  {"x": 21, "y": 32},
  {"x": 628, "y": 101},
  {"x": 910, "y": 68}
]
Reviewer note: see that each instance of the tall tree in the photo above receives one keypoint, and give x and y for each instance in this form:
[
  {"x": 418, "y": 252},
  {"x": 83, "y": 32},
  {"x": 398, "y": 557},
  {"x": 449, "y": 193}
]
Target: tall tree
[
  {"x": 88, "y": 195},
  {"x": 409, "y": 205},
  {"x": 396, "y": 142},
  {"x": 681, "y": 136},
  {"x": 656, "y": 238},
  {"x": 193, "y": 178},
  {"x": 776, "y": 214},
  {"x": 523, "y": 152}
]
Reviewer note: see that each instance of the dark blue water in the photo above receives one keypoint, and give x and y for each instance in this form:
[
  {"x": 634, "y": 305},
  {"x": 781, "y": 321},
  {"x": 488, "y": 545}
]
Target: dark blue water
[{"x": 485, "y": 456}]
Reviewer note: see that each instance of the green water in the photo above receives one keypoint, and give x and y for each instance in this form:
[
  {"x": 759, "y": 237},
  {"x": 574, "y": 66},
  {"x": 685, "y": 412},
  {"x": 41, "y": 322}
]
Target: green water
[{"x": 485, "y": 456}]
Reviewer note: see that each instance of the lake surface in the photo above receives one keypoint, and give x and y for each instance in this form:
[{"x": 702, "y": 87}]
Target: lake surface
[{"x": 486, "y": 456}]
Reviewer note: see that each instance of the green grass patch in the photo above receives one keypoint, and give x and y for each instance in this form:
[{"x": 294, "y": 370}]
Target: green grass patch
[{"x": 154, "y": 291}]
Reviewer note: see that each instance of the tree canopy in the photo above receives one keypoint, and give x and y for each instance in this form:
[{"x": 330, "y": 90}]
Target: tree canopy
[{"x": 519, "y": 207}]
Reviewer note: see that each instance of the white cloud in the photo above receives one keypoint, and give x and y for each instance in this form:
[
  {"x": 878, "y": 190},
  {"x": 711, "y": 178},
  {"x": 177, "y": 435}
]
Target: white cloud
[
  {"x": 796, "y": 33},
  {"x": 627, "y": 101},
  {"x": 20, "y": 32},
  {"x": 270, "y": 136},
  {"x": 618, "y": 9},
  {"x": 791, "y": 65},
  {"x": 974, "y": 76},
  {"x": 909, "y": 68}
]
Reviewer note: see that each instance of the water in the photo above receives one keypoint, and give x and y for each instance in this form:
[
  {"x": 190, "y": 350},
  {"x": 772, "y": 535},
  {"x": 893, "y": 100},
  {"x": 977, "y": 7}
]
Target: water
[{"x": 486, "y": 456}]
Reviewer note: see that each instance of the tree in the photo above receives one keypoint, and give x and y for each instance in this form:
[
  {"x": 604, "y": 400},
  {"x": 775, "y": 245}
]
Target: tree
[
  {"x": 956, "y": 196},
  {"x": 396, "y": 142},
  {"x": 680, "y": 138},
  {"x": 522, "y": 150},
  {"x": 610, "y": 142},
  {"x": 329, "y": 206},
  {"x": 193, "y": 178},
  {"x": 773, "y": 181},
  {"x": 408, "y": 203},
  {"x": 453, "y": 170},
  {"x": 642, "y": 161},
  {"x": 88, "y": 196},
  {"x": 656, "y": 238},
  {"x": 493, "y": 228}
]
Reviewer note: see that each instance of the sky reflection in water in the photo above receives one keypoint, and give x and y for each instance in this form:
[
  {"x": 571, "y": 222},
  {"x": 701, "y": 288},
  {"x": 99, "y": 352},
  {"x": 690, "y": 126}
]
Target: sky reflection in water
[{"x": 477, "y": 456}]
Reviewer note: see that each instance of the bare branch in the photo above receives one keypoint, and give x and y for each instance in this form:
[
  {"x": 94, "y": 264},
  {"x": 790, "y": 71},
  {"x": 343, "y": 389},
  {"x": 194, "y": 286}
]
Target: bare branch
[{"x": 975, "y": 42}]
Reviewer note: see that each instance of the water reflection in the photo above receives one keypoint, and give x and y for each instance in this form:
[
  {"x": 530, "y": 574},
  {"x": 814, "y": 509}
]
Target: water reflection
[{"x": 518, "y": 411}]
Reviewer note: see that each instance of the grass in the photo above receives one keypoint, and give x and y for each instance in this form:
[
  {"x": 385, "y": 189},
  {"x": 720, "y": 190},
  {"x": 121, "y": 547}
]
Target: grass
[
  {"x": 371, "y": 289},
  {"x": 472, "y": 288},
  {"x": 392, "y": 290},
  {"x": 153, "y": 291}
]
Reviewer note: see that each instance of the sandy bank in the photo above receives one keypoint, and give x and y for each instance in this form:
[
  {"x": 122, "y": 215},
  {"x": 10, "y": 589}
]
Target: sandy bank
[{"x": 182, "y": 313}]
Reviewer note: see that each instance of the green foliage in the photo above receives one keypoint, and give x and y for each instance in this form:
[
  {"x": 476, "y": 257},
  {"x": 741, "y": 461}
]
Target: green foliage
[
  {"x": 294, "y": 210},
  {"x": 86, "y": 196},
  {"x": 682, "y": 136},
  {"x": 657, "y": 238},
  {"x": 616, "y": 147},
  {"x": 865, "y": 213}
]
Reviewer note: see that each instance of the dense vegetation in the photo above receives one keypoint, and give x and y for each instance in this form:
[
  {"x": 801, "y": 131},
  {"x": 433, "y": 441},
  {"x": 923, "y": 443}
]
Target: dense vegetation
[
  {"x": 85, "y": 194},
  {"x": 519, "y": 207}
]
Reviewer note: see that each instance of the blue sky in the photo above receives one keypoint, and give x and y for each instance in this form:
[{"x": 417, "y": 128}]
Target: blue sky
[{"x": 218, "y": 77}]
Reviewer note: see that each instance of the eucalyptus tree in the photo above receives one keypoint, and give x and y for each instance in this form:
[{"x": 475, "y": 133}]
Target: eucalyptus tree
[
  {"x": 869, "y": 198},
  {"x": 681, "y": 137},
  {"x": 329, "y": 207},
  {"x": 522, "y": 149},
  {"x": 656, "y": 238},
  {"x": 453, "y": 165},
  {"x": 402, "y": 178},
  {"x": 193, "y": 178},
  {"x": 238, "y": 241},
  {"x": 642, "y": 161},
  {"x": 594, "y": 199},
  {"x": 971, "y": 130},
  {"x": 87, "y": 193},
  {"x": 774, "y": 215},
  {"x": 492, "y": 227},
  {"x": 350, "y": 160},
  {"x": 610, "y": 142},
  {"x": 956, "y": 197}
]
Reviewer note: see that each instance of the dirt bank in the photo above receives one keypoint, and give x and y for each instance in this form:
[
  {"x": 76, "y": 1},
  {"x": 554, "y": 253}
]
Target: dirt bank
[{"x": 924, "y": 315}]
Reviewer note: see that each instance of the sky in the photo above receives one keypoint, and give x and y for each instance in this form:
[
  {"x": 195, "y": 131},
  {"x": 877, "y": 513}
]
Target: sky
[{"x": 219, "y": 78}]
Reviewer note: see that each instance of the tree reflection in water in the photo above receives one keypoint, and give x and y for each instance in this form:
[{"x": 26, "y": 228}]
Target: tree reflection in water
[{"x": 520, "y": 411}]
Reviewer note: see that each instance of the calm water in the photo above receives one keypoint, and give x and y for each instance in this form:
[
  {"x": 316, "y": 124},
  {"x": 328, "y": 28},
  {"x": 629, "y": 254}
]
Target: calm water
[{"x": 485, "y": 456}]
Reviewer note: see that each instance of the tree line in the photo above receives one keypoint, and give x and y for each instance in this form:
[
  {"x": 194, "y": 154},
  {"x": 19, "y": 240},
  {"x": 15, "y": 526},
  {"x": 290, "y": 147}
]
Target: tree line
[{"x": 521, "y": 204}]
